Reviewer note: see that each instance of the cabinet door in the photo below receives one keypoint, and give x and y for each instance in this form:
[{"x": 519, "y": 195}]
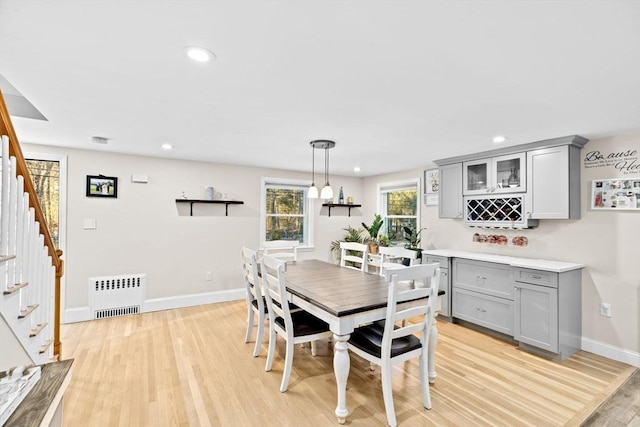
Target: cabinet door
[
  {"x": 536, "y": 316},
  {"x": 509, "y": 173},
  {"x": 548, "y": 177},
  {"x": 450, "y": 191},
  {"x": 476, "y": 176}
]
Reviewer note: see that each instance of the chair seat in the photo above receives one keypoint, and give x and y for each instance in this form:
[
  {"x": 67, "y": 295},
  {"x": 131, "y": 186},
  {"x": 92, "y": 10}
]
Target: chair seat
[
  {"x": 264, "y": 304},
  {"x": 369, "y": 339},
  {"x": 304, "y": 324}
]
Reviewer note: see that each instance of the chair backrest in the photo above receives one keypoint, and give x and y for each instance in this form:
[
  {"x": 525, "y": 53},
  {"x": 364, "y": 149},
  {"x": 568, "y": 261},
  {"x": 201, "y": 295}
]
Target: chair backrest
[
  {"x": 406, "y": 284},
  {"x": 392, "y": 256},
  {"x": 354, "y": 252},
  {"x": 250, "y": 276},
  {"x": 283, "y": 249},
  {"x": 274, "y": 285}
]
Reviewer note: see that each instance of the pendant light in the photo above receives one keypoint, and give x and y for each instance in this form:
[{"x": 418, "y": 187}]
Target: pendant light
[
  {"x": 326, "y": 145},
  {"x": 312, "y": 193}
]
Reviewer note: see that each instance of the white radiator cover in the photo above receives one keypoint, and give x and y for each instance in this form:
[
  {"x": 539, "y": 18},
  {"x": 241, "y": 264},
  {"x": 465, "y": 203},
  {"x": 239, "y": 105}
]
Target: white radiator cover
[{"x": 111, "y": 296}]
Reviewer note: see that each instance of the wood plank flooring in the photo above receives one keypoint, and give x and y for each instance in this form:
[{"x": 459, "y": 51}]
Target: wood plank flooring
[{"x": 191, "y": 367}]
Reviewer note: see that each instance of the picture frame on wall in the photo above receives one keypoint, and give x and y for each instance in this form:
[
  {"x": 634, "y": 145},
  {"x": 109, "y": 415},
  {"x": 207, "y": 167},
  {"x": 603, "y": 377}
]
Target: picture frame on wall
[
  {"x": 102, "y": 186},
  {"x": 615, "y": 194},
  {"x": 431, "y": 186}
]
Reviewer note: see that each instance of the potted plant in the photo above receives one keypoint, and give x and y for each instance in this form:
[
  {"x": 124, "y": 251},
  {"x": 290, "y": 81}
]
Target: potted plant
[
  {"x": 373, "y": 231},
  {"x": 351, "y": 235},
  {"x": 413, "y": 239}
]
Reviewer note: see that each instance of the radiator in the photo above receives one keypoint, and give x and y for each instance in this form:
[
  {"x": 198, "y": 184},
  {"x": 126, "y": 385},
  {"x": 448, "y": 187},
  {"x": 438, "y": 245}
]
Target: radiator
[{"x": 112, "y": 296}]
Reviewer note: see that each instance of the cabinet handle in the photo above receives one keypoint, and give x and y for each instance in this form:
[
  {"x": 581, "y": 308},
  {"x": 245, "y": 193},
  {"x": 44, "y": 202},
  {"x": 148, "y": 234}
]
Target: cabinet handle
[
  {"x": 535, "y": 276},
  {"x": 444, "y": 273},
  {"x": 481, "y": 277},
  {"x": 481, "y": 310},
  {"x": 459, "y": 214}
]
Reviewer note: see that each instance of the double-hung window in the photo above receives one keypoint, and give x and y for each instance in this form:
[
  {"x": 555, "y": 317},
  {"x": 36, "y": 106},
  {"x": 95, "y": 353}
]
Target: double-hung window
[
  {"x": 398, "y": 204},
  {"x": 285, "y": 213}
]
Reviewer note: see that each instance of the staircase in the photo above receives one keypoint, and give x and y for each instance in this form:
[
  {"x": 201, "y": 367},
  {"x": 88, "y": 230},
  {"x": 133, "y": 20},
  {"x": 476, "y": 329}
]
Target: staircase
[{"x": 30, "y": 266}]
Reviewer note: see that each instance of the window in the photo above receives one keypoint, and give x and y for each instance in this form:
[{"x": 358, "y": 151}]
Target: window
[
  {"x": 285, "y": 212},
  {"x": 399, "y": 207}
]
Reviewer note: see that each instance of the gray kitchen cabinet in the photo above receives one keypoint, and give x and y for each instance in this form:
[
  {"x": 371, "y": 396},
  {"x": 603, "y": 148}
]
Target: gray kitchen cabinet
[
  {"x": 450, "y": 191},
  {"x": 554, "y": 183},
  {"x": 445, "y": 282},
  {"x": 547, "y": 313}
]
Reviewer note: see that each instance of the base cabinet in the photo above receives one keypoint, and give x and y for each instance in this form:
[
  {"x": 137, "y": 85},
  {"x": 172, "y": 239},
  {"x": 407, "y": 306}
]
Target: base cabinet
[
  {"x": 445, "y": 282},
  {"x": 536, "y": 316},
  {"x": 484, "y": 310}
]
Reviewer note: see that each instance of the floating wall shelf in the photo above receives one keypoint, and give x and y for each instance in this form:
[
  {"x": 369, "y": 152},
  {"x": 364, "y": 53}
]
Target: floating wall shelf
[
  {"x": 219, "y": 202},
  {"x": 340, "y": 205}
]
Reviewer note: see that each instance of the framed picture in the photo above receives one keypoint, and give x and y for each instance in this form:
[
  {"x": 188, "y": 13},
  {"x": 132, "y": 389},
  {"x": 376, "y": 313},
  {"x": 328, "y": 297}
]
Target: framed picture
[
  {"x": 431, "y": 183},
  {"x": 616, "y": 194},
  {"x": 102, "y": 186}
]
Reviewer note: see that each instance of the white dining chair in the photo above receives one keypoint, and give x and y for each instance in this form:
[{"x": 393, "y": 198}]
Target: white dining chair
[
  {"x": 256, "y": 304},
  {"x": 296, "y": 328},
  {"x": 386, "y": 344},
  {"x": 392, "y": 257},
  {"x": 283, "y": 249},
  {"x": 352, "y": 254}
]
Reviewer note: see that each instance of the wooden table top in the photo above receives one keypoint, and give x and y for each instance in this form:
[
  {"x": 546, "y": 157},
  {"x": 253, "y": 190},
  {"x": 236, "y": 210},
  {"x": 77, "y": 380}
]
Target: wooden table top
[{"x": 339, "y": 291}]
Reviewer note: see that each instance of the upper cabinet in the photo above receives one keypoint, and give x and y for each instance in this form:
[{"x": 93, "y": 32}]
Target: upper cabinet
[
  {"x": 539, "y": 180},
  {"x": 450, "y": 191},
  {"x": 502, "y": 174}
]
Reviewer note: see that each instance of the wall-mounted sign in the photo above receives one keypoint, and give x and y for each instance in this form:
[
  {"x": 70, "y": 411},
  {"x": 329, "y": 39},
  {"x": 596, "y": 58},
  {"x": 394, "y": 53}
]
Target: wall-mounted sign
[
  {"x": 618, "y": 194},
  {"x": 625, "y": 161}
]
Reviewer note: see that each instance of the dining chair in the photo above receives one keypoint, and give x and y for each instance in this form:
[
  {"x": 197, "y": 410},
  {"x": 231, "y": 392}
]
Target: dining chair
[
  {"x": 295, "y": 327},
  {"x": 392, "y": 257},
  {"x": 387, "y": 344},
  {"x": 355, "y": 253},
  {"x": 256, "y": 304},
  {"x": 283, "y": 249}
]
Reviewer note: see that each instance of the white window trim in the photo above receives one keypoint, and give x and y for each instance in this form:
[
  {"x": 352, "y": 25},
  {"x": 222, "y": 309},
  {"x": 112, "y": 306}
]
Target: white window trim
[
  {"x": 404, "y": 184},
  {"x": 309, "y": 208}
]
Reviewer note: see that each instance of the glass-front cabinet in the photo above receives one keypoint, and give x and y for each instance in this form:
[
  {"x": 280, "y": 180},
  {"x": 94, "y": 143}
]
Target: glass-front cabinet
[{"x": 504, "y": 174}]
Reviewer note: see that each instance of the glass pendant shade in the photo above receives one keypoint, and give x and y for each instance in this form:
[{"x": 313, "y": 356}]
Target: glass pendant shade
[
  {"x": 327, "y": 192},
  {"x": 312, "y": 192}
]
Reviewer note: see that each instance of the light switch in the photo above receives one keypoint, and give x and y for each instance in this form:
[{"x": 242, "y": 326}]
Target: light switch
[{"x": 89, "y": 224}]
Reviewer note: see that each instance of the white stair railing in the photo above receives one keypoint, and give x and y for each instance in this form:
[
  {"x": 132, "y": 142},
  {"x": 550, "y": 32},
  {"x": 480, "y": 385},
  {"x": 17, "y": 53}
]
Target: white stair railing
[{"x": 27, "y": 274}]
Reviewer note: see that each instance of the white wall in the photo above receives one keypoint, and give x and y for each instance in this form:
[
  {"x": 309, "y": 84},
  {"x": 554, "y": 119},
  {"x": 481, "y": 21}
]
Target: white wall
[
  {"x": 607, "y": 242},
  {"x": 145, "y": 231}
]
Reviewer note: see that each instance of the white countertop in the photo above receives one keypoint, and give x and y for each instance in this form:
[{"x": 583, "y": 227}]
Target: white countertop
[{"x": 535, "y": 264}]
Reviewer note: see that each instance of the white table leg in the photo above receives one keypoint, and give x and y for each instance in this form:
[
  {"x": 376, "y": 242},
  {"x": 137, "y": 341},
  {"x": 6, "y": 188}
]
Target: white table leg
[
  {"x": 433, "y": 340},
  {"x": 341, "y": 365}
]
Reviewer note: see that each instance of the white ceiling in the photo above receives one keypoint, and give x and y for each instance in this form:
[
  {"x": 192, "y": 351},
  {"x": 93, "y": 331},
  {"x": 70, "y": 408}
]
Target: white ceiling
[{"x": 397, "y": 84}]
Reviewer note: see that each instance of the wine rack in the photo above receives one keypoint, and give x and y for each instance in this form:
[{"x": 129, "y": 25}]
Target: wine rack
[{"x": 492, "y": 211}]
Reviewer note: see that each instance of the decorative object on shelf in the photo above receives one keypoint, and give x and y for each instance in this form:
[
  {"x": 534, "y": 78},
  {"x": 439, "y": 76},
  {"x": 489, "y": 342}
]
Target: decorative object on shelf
[
  {"x": 102, "y": 186},
  {"x": 520, "y": 241},
  {"x": 616, "y": 194},
  {"x": 209, "y": 192},
  {"x": 513, "y": 180},
  {"x": 373, "y": 230},
  {"x": 349, "y": 200},
  {"x": 341, "y": 197},
  {"x": 326, "y": 192},
  {"x": 499, "y": 239},
  {"x": 431, "y": 186}
]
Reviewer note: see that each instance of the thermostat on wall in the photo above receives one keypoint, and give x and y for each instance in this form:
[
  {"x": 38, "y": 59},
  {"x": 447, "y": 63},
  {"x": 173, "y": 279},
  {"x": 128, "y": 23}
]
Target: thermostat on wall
[{"x": 140, "y": 178}]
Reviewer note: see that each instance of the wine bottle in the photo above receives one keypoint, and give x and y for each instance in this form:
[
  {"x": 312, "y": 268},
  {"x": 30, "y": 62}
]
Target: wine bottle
[{"x": 341, "y": 197}]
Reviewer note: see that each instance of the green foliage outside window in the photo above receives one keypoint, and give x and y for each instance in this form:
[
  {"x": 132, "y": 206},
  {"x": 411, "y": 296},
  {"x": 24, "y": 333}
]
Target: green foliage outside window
[
  {"x": 285, "y": 214},
  {"x": 45, "y": 176}
]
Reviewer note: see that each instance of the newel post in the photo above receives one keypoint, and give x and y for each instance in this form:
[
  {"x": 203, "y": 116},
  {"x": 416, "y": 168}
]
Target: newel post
[{"x": 57, "y": 345}]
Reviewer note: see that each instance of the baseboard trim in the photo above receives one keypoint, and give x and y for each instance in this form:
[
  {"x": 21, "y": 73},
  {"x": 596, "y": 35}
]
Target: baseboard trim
[
  {"x": 169, "y": 303},
  {"x": 83, "y": 314},
  {"x": 611, "y": 352}
]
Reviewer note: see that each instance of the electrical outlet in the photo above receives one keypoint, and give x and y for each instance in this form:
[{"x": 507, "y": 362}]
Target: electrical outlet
[
  {"x": 605, "y": 309},
  {"x": 208, "y": 276}
]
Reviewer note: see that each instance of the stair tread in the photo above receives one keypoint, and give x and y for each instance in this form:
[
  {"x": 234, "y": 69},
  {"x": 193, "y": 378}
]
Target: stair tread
[
  {"x": 28, "y": 311},
  {"x": 45, "y": 346},
  {"x": 35, "y": 331},
  {"x": 15, "y": 288}
]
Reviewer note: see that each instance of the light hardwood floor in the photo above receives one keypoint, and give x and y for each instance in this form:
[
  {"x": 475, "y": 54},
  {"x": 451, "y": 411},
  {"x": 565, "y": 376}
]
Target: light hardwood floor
[{"x": 191, "y": 367}]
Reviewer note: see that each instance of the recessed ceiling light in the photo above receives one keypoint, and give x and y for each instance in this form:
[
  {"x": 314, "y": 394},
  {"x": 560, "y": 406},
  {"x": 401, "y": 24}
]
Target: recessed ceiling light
[
  {"x": 199, "y": 54},
  {"x": 499, "y": 139},
  {"x": 167, "y": 146},
  {"x": 356, "y": 169}
]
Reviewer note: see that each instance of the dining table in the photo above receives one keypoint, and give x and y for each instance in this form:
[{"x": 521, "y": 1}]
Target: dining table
[{"x": 345, "y": 298}]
